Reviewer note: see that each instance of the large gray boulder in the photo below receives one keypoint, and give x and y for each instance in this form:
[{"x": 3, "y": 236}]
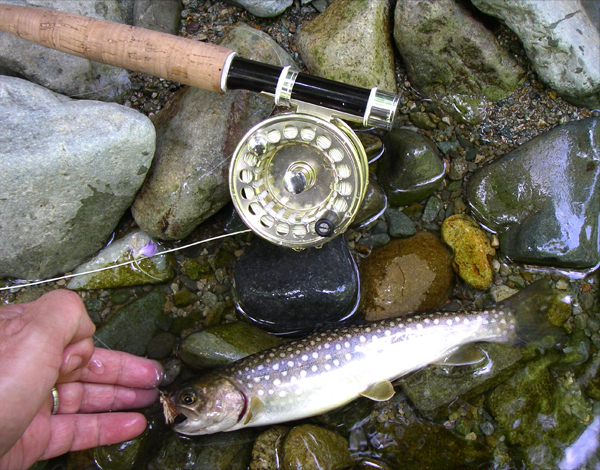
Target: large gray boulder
[
  {"x": 562, "y": 40},
  {"x": 64, "y": 73},
  {"x": 69, "y": 170}
]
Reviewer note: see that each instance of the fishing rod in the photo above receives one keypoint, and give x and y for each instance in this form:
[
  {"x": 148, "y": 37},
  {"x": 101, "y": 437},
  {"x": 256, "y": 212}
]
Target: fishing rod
[{"x": 297, "y": 179}]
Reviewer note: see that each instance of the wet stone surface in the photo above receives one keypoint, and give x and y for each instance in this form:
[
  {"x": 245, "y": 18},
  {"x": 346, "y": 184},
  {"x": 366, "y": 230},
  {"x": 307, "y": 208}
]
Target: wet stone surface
[{"x": 294, "y": 292}]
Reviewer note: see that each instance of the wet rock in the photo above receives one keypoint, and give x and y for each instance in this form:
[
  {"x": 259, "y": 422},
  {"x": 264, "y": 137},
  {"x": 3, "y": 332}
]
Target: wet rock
[
  {"x": 562, "y": 40},
  {"x": 288, "y": 291},
  {"x": 400, "y": 225},
  {"x": 131, "y": 328},
  {"x": 133, "y": 247},
  {"x": 124, "y": 455},
  {"x": 311, "y": 447},
  {"x": 436, "y": 386},
  {"x": 222, "y": 451},
  {"x": 64, "y": 186},
  {"x": 197, "y": 268},
  {"x": 163, "y": 16},
  {"x": 534, "y": 413},
  {"x": 263, "y": 8},
  {"x": 543, "y": 198},
  {"x": 195, "y": 137},
  {"x": 372, "y": 144},
  {"x": 410, "y": 169},
  {"x": 223, "y": 344},
  {"x": 410, "y": 275},
  {"x": 407, "y": 441},
  {"x": 375, "y": 241},
  {"x": 350, "y": 42},
  {"x": 161, "y": 346},
  {"x": 374, "y": 203},
  {"x": 472, "y": 250},
  {"x": 64, "y": 73},
  {"x": 267, "y": 452},
  {"x": 172, "y": 368},
  {"x": 432, "y": 209},
  {"x": 447, "y": 51},
  {"x": 183, "y": 298}
]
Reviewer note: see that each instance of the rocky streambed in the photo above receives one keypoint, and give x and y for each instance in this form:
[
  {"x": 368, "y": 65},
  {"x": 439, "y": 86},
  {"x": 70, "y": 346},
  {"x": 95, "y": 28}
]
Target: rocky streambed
[{"x": 494, "y": 131}]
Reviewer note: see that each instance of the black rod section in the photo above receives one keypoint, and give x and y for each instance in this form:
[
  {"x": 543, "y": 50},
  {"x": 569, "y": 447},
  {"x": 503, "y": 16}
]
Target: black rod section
[{"x": 245, "y": 74}]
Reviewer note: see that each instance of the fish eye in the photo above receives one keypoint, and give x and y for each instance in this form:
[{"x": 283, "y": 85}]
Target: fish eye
[{"x": 188, "y": 397}]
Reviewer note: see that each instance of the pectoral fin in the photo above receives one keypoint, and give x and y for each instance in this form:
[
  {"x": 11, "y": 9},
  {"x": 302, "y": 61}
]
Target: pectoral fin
[
  {"x": 255, "y": 408},
  {"x": 466, "y": 355},
  {"x": 381, "y": 391}
]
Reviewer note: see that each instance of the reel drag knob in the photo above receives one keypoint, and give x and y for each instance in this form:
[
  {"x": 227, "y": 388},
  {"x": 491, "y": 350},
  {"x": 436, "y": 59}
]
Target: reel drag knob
[{"x": 298, "y": 180}]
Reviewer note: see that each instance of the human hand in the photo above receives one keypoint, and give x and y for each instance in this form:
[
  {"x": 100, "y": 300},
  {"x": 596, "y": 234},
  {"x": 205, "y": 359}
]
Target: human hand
[{"x": 48, "y": 343}]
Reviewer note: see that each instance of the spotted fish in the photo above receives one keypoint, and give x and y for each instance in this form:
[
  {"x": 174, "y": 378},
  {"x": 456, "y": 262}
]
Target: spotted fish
[{"x": 329, "y": 369}]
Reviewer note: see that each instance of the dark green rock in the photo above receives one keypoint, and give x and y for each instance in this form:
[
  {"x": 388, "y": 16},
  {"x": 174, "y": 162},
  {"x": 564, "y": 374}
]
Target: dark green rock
[
  {"x": 543, "y": 198},
  {"x": 448, "y": 51},
  {"x": 121, "y": 297},
  {"x": 222, "y": 451},
  {"x": 351, "y": 43},
  {"x": 374, "y": 203},
  {"x": 183, "y": 298},
  {"x": 161, "y": 346},
  {"x": 409, "y": 442},
  {"x": 533, "y": 414},
  {"x": 400, "y": 225},
  {"x": 131, "y": 328},
  {"x": 223, "y": 344},
  {"x": 310, "y": 447},
  {"x": 372, "y": 144},
  {"x": 410, "y": 169},
  {"x": 294, "y": 292},
  {"x": 196, "y": 268}
]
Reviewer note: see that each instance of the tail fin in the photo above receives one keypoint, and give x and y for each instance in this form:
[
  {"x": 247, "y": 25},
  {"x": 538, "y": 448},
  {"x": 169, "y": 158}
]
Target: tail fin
[{"x": 531, "y": 308}]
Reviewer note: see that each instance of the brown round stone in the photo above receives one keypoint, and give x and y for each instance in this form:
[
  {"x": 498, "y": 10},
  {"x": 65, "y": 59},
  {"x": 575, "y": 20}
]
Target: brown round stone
[{"x": 410, "y": 275}]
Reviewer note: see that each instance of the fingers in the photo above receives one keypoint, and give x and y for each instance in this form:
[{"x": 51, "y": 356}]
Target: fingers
[
  {"x": 118, "y": 368},
  {"x": 74, "y": 432},
  {"x": 78, "y": 397}
]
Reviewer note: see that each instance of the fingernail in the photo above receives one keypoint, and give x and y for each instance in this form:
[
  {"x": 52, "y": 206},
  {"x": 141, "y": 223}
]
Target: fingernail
[
  {"x": 72, "y": 363},
  {"x": 160, "y": 374}
]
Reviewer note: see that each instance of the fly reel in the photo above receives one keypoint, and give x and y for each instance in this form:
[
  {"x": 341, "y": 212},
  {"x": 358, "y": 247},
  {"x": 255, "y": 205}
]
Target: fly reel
[{"x": 298, "y": 179}]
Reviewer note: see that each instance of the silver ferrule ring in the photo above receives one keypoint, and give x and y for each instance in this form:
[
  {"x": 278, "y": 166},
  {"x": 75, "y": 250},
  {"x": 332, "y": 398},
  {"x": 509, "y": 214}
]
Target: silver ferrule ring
[
  {"x": 225, "y": 72},
  {"x": 285, "y": 84},
  {"x": 381, "y": 109}
]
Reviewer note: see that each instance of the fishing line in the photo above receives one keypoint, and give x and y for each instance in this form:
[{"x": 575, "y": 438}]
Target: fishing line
[{"x": 18, "y": 285}]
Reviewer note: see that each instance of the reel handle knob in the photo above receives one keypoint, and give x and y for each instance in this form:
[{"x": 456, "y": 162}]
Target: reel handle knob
[{"x": 325, "y": 226}]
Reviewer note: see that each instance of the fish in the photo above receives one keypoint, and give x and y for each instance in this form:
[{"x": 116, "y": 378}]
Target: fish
[{"x": 328, "y": 369}]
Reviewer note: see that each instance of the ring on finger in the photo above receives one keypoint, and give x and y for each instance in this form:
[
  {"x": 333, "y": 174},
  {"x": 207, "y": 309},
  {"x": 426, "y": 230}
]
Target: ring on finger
[{"x": 55, "y": 401}]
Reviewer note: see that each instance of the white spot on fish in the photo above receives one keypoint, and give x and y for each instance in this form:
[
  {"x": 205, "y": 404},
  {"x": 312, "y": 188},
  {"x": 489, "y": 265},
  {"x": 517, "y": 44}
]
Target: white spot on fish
[
  {"x": 327, "y": 367},
  {"x": 326, "y": 345},
  {"x": 313, "y": 368},
  {"x": 387, "y": 332},
  {"x": 315, "y": 355},
  {"x": 336, "y": 362},
  {"x": 419, "y": 327},
  {"x": 346, "y": 344},
  {"x": 271, "y": 392},
  {"x": 303, "y": 373},
  {"x": 282, "y": 394},
  {"x": 275, "y": 366},
  {"x": 327, "y": 357},
  {"x": 348, "y": 356},
  {"x": 305, "y": 358},
  {"x": 276, "y": 382},
  {"x": 284, "y": 373},
  {"x": 466, "y": 321},
  {"x": 290, "y": 363},
  {"x": 261, "y": 367},
  {"x": 256, "y": 379},
  {"x": 449, "y": 322},
  {"x": 436, "y": 321},
  {"x": 362, "y": 339},
  {"x": 261, "y": 392},
  {"x": 338, "y": 347}
]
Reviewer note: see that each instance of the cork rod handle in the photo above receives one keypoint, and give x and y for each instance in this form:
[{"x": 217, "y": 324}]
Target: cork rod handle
[{"x": 141, "y": 50}]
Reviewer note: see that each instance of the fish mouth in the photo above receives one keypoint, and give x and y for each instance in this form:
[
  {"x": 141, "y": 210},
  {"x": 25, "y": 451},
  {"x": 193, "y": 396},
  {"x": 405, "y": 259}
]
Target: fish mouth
[{"x": 188, "y": 422}]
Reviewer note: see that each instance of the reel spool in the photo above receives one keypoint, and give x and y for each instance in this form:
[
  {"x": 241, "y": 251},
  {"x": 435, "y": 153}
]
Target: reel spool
[{"x": 298, "y": 180}]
